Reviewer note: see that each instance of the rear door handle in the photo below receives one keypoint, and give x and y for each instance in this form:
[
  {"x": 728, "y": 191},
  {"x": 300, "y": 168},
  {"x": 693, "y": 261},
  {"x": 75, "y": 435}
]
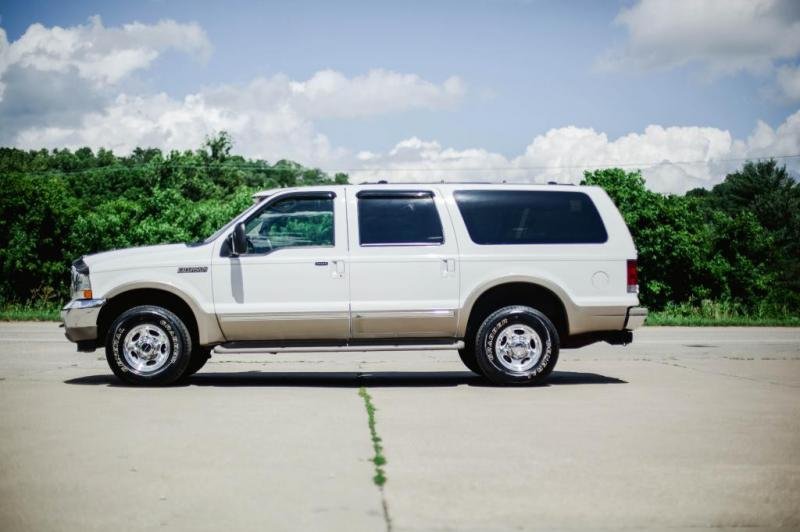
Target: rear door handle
[{"x": 448, "y": 267}]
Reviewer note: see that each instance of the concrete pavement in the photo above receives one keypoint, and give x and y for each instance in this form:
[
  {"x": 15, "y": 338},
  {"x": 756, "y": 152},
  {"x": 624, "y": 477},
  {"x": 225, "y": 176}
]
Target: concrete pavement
[{"x": 685, "y": 428}]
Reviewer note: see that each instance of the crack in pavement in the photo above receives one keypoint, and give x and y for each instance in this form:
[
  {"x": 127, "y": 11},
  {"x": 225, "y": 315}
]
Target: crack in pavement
[
  {"x": 722, "y": 374},
  {"x": 378, "y": 460}
]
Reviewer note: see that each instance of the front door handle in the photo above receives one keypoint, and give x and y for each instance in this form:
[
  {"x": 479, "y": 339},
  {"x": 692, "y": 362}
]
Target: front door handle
[{"x": 338, "y": 269}]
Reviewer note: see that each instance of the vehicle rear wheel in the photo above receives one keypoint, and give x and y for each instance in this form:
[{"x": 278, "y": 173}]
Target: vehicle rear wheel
[
  {"x": 517, "y": 345},
  {"x": 148, "y": 345},
  {"x": 467, "y": 356}
]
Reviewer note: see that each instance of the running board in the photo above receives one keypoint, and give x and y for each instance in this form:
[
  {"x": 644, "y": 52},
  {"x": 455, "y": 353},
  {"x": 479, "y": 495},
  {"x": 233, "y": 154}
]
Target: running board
[{"x": 242, "y": 348}]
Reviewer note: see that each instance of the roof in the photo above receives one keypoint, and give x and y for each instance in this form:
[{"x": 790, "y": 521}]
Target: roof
[{"x": 258, "y": 196}]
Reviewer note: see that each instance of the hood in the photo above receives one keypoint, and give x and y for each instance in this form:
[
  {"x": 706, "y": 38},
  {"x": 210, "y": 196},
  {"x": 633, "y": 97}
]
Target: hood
[{"x": 149, "y": 257}]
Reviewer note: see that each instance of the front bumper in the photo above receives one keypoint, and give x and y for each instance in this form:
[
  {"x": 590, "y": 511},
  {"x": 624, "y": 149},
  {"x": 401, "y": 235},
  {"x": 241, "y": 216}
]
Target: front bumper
[
  {"x": 635, "y": 317},
  {"x": 80, "y": 319}
]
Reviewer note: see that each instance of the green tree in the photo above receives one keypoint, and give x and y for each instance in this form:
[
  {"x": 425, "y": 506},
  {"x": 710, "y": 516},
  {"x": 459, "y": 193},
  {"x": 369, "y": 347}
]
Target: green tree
[{"x": 58, "y": 205}]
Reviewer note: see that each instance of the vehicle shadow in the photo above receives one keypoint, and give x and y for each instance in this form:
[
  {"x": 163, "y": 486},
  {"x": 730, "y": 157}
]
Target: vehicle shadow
[{"x": 352, "y": 379}]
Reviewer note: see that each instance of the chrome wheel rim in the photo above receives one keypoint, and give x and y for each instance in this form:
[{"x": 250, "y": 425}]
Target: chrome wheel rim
[
  {"x": 518, "y": 348},
  {"x": 146, "y": 349}
]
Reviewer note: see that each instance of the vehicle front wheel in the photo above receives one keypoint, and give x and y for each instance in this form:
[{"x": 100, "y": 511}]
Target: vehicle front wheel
[
  {"x": 199, "y": 359},
  {"x": 517, "y": 345},
  {"x": 148, "y": 345}
]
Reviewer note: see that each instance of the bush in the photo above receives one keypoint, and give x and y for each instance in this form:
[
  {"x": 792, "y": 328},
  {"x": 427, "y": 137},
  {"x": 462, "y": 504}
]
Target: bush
[{"x": 716, "y": 245}]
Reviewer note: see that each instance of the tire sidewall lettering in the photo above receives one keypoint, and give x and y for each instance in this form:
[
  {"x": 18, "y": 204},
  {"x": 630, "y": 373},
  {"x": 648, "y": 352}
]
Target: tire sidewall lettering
[
  {"x": 541, "y": 329},
  {"x": 118, "y": 336}
]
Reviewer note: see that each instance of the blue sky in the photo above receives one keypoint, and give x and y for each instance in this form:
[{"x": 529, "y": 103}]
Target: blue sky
[{"x": 521, "y": 69}]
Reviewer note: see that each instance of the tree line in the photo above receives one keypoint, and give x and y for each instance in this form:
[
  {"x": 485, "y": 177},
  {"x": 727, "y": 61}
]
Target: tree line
[{"x": 737, "y": 243}]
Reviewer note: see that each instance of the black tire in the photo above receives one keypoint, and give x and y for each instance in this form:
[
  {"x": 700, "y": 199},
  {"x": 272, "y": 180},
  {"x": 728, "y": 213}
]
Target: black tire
[
  {"x": 534, "y": 363},
  {"x": 467, "y": 356},
  {"x": 200, "y": 356},
  {"x": 158, "y": 333}
]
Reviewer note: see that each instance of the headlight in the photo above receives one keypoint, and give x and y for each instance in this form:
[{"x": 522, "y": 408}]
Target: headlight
[{"x": 81, "y": 287}]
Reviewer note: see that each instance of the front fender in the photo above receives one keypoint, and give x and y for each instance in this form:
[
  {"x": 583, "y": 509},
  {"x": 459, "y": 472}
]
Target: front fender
[{"x": 202, "y": 308}]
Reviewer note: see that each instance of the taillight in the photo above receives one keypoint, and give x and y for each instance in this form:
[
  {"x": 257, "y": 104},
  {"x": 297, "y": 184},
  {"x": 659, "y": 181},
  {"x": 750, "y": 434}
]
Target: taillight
[{"x": 633, "y": 277}]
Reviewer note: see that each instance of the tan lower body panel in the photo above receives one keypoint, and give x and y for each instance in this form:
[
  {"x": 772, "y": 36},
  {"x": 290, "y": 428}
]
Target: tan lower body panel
[
  {"x": 414, "y": 324},
  {"x": 589, "y": 319},
  {"x": 286, "y": 326}
]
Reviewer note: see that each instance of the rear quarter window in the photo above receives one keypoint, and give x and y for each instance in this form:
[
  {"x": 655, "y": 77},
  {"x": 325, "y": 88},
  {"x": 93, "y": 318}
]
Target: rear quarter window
[{"x": 530, "y": 217}]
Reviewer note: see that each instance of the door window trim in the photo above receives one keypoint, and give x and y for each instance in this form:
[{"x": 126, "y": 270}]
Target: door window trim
[
  {"x": 225, "y": 249},
  {"x": 395, "y": 194}
]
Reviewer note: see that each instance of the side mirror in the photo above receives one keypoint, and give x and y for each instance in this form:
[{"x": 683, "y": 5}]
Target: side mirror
[{"x": 239, "y": 240}]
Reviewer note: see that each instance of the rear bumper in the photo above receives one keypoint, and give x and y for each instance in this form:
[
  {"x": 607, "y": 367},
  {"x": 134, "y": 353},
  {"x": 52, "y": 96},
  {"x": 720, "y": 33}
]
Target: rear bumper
[
  {"x": 634, "y": 318},
  {"x": 80, "y": 319}
]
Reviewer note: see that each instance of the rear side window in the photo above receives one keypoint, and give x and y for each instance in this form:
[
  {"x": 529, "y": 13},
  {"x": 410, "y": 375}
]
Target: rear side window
[
  {"x": 398, "y": 218},
  {"x": 530, "y": 217}
]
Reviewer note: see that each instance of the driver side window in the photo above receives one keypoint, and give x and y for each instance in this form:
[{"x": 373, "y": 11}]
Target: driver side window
[{"x": 291, "y": 222}]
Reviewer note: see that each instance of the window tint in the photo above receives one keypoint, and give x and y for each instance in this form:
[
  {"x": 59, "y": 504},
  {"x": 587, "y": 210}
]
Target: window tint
[
  {"x": 398, "y": 219},
  {"x": 530, "y": 217},
  {"x": 291, "y": 222}
]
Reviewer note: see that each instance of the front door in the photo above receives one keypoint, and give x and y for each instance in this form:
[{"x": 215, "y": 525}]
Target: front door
[
  {"x": 403, "y": 264},
  {"x": 292, "y": 282}
]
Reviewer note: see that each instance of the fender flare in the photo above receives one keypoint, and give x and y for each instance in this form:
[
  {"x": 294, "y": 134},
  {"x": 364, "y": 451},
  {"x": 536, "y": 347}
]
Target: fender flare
[
  {"x": 481, "y": 288},
  {"x": 207, "y": 327}
]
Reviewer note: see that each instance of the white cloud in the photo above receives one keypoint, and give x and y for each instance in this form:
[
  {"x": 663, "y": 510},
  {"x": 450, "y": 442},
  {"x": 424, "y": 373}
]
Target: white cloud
[
  {"x": 789, "y": 81},
  {"x": 269, "y": 117},
  {"x": 62, "y": 88},
  {"x": 725, "y": 36},
  {"x": 673, "y": 159},
  {"x": 96, "y": 53},
  {"x": 277, "y": 117},
  {"x": 330, "y": 94}
]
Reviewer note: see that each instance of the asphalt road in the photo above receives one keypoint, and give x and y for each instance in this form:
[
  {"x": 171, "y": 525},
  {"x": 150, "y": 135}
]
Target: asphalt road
[{"x": 686, "y": 428}]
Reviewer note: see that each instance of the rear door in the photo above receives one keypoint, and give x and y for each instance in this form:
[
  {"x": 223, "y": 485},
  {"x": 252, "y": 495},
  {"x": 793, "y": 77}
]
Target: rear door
[
  {"x": 403, "y": 264},
  {"x": 292, "y": 283}
]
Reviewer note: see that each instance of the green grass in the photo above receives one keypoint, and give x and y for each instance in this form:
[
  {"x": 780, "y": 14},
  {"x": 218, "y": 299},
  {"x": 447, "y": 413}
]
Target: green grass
[
  {"x": 664, "y": 319},
  {"x": 721, "y": 314},
  {"x": 29, "y": 312},
  {"x": 379, "y": 460}
]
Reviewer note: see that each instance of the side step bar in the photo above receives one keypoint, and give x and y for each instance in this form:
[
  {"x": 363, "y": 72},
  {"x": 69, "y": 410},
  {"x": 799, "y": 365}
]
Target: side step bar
[{"x": 242, "y": 348}]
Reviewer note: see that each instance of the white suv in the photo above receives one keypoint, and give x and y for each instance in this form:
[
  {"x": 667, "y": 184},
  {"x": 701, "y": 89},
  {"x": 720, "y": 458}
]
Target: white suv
[{"x": 505, "y": 274}]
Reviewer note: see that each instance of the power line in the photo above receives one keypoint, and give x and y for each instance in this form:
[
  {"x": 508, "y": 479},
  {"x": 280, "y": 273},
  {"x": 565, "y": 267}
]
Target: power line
[
  {"x": 567, "y": 167},
  {"x": 260, "y": 167}
]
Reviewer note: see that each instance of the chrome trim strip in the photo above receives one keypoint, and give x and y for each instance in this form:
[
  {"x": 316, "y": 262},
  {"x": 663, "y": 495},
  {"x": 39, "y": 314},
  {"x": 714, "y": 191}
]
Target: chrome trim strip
[
  {"x": 401, "y": 314},
  {"x": 403, "y": 244},
  {"x": 284, "y": 316},
  {"x": 84, "y": 303}
]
